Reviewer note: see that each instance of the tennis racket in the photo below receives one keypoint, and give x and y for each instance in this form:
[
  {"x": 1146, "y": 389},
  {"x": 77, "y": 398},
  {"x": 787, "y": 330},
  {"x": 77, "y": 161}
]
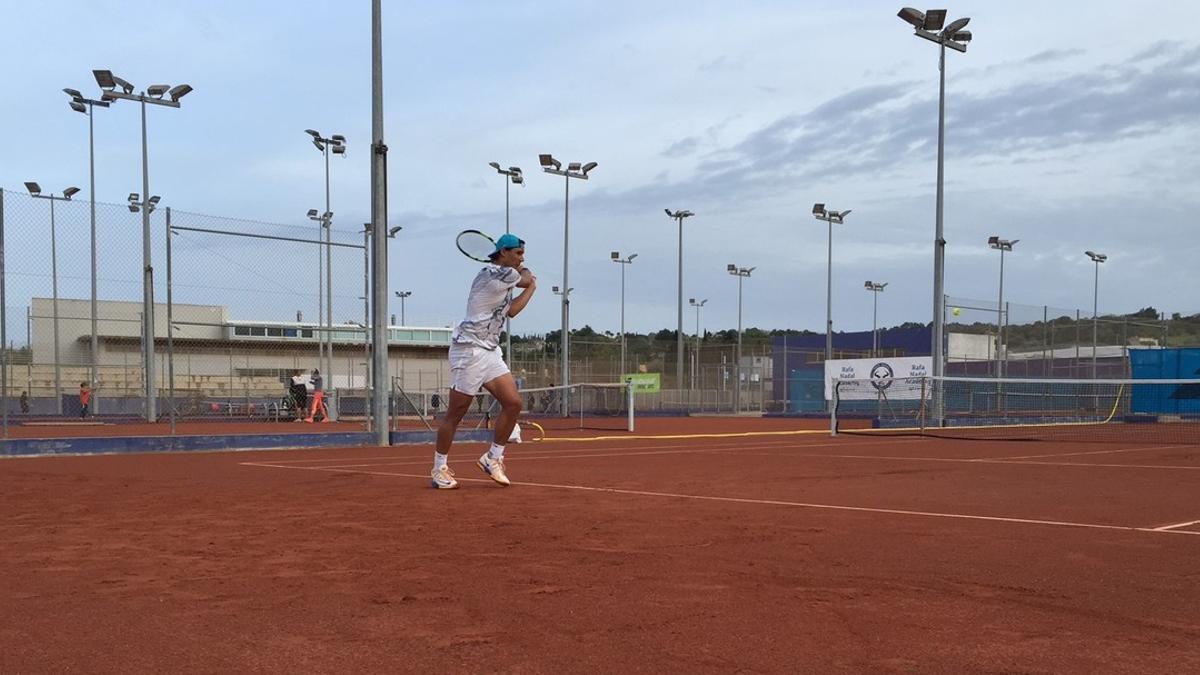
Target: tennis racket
[{"x": 476, "y": 245}]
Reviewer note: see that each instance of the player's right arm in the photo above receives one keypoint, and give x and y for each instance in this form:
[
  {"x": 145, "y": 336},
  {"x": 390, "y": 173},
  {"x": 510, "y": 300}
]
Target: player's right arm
[{"x": 528, "y": 282}]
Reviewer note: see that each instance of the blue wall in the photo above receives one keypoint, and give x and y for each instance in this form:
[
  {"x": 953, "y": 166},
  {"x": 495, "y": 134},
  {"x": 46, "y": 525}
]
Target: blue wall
[{"x": 1166, "y": 364}]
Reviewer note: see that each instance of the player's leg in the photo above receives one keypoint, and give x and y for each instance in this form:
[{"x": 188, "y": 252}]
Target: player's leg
[
  {"x": 501, "y": 386},
  {"x": 442, "y": 477},
  {"x": 504, "y": 390}
]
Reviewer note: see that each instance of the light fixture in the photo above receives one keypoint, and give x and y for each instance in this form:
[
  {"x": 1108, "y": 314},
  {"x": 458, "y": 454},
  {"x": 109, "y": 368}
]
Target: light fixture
[
  {"x": 179, "y": 91},
  {"x": 33, "y": 188},
  {"x": 312, "y": 213},
  {"x": 125, "y": 86},
  {"x": 157, "y": 90},
  {"x": 104, "y": 78},
  {"x": 393, "y": 230},
  {"x": 70, "y": 192},
  {"x": 1096, "y": 257},
  {"x": 73, "y": 93},
  {"x": 78, "y": 107},
  {"x": 548, "y": 161}
]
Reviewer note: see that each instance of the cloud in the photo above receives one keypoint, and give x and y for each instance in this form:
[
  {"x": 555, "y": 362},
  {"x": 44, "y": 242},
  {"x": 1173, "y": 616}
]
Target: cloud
[{"x": 682, "y": 148}]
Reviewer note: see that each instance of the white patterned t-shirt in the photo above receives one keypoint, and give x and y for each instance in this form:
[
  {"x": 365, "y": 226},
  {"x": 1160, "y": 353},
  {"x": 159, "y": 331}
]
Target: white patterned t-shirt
[{"x": 487, "y": 305}]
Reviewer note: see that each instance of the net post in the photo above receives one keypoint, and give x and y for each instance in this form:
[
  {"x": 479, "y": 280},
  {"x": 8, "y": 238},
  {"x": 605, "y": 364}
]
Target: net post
[
  {"x": 922, "y": 408},
  {"x": 629, "y": 401},
  {"x": 833, "y": 430}
]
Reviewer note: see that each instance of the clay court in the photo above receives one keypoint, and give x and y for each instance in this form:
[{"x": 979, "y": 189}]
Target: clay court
[{"x": 711, "y": 554}]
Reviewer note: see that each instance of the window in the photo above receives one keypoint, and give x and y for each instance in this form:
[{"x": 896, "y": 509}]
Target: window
[
  {"x": 241, "y": 330},
  {"x": 275, "y": 332},
  {"x": 258, "y": 331}
]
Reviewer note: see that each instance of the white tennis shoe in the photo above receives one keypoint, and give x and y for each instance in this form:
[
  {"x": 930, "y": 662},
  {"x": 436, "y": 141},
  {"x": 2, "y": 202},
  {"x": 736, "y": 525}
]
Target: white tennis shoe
[
  {"x": 494, "y": 468},
  {"x": 443, "y": 479}
]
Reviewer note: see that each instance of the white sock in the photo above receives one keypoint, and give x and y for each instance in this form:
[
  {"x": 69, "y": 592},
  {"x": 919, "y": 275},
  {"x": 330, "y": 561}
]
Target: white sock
[
  {"x": 496, "y": 451},
  {"x": 439, "y": 460}
]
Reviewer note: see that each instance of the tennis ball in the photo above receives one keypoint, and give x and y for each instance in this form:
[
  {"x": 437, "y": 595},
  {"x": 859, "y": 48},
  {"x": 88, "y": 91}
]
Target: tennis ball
[{"x": 956, "y": 311}]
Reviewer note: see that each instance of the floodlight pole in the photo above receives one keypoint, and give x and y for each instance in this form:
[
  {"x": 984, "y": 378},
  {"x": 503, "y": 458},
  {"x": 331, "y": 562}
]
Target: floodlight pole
[
  {"x": 678, "y": 216},
  {"x": 379, "y": 216},
  {"x": 511, "y": 175},
  {"x": 830, "y": 217},
  {"x": 875, "y": 288},
  {"x": 696, "y": 352},
  {"x": 1000, "y": 321},
  {"x": 1097, "y": 258},
  {"x": 928, "y": 27},
  {"x": 77, "y": 101},
  {"x": 54, "y": 291},
  {"x": 552, "y": 166},
  {"x": 740, "y": 273},
  {"x": 328, "y": 280},
  {"x": 628, "y": 260},
  {"x": 110, "y": 94}
]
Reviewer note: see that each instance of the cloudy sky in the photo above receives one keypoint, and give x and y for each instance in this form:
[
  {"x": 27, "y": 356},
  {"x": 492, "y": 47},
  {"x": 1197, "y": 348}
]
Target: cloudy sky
[{"x": 1070, "y": 126}]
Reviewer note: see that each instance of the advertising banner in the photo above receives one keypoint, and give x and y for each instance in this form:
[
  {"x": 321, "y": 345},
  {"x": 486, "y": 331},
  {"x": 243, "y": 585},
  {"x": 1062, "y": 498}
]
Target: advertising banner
[{"x": 891, "y": 377}]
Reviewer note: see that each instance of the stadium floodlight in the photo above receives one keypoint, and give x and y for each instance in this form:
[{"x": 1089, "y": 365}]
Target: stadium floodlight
[
  {"x": 624, "y": 262},
  {"x": 33, "y": 188},
  {"x": 157, "y": 90},
  {"x": 313, "y": 133},
  {"x": 133, "y": 196},
  {"x": 1097, "y": 258},
  {"x": 155, "y": 199},
  {"x": 678, "y": 215},
  {"x": 830, "y": 217},
  {"x": 179, "y": 91},
  {"x": 70, "y": 192},
  {"x": 402, "y": 295},
  {"x": 579, "y": 171},
  {"x": 73, "y": 93},
  {"x": 957, "y": 39},
  {"x": 338, "y": 138},
  {"x": 105, "y": 79},
  {"x": 393, "y": 230},
  {"x": 912, "y": 16},
  {"x": 512, "y": 175},
  {"x": 741, "y": 273},
  {"x": 124, "y": 85},
  {"x": 78, "y": 107},
  {"x": 955, "y": 26},
  {"x": 1001, "y": 245},
  {"x": 312, "y": 213}
]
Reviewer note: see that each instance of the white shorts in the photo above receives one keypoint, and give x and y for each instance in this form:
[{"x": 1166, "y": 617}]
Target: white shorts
[{"x": 472, "y": 366}]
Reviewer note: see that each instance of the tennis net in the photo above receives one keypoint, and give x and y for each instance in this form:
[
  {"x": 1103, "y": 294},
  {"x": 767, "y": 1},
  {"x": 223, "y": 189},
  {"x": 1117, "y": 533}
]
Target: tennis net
[
  {"x": 590, "y": 406},
  {"x": 1159, "y": 411}
]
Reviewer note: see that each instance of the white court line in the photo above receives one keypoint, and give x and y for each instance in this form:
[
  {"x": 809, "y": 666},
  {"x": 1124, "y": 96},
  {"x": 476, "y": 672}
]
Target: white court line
[
  {"x": 1164, "y": 528},
  {"x": 769, "y": 502},
  {"x": 1091, "y": 452},
  {"x": 616, "y": 452},
  {"x": 569, "y": 451}
]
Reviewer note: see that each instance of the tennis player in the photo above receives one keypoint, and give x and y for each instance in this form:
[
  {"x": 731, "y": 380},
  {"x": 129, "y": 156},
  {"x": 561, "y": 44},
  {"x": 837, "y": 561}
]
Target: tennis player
[{"x": 476, "y": 360}]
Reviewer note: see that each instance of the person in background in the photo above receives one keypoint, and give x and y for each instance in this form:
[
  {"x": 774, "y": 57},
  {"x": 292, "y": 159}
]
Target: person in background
[
  {"x": 318, "y": 398},
  {"x": 24, "y": 403},
  {"x": 85, "y": 397}
]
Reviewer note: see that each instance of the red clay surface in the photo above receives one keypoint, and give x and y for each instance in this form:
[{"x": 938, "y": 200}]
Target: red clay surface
[{"x": 765, "y": 554}]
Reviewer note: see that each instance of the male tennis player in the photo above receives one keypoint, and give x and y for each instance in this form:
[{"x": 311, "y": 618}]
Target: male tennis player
[{"x": 476, "y": 361}]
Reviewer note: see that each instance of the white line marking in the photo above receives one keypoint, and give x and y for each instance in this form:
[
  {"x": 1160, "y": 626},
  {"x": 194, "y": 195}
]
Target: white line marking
[
  {"x": 768, "y": 502},
  {"x": 1164, "y": 528},
  {"x": 1091, "y": 452}
]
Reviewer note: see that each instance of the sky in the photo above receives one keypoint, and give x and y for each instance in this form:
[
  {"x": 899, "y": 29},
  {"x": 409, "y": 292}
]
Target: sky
[{"x": 1069, "y": 126}]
